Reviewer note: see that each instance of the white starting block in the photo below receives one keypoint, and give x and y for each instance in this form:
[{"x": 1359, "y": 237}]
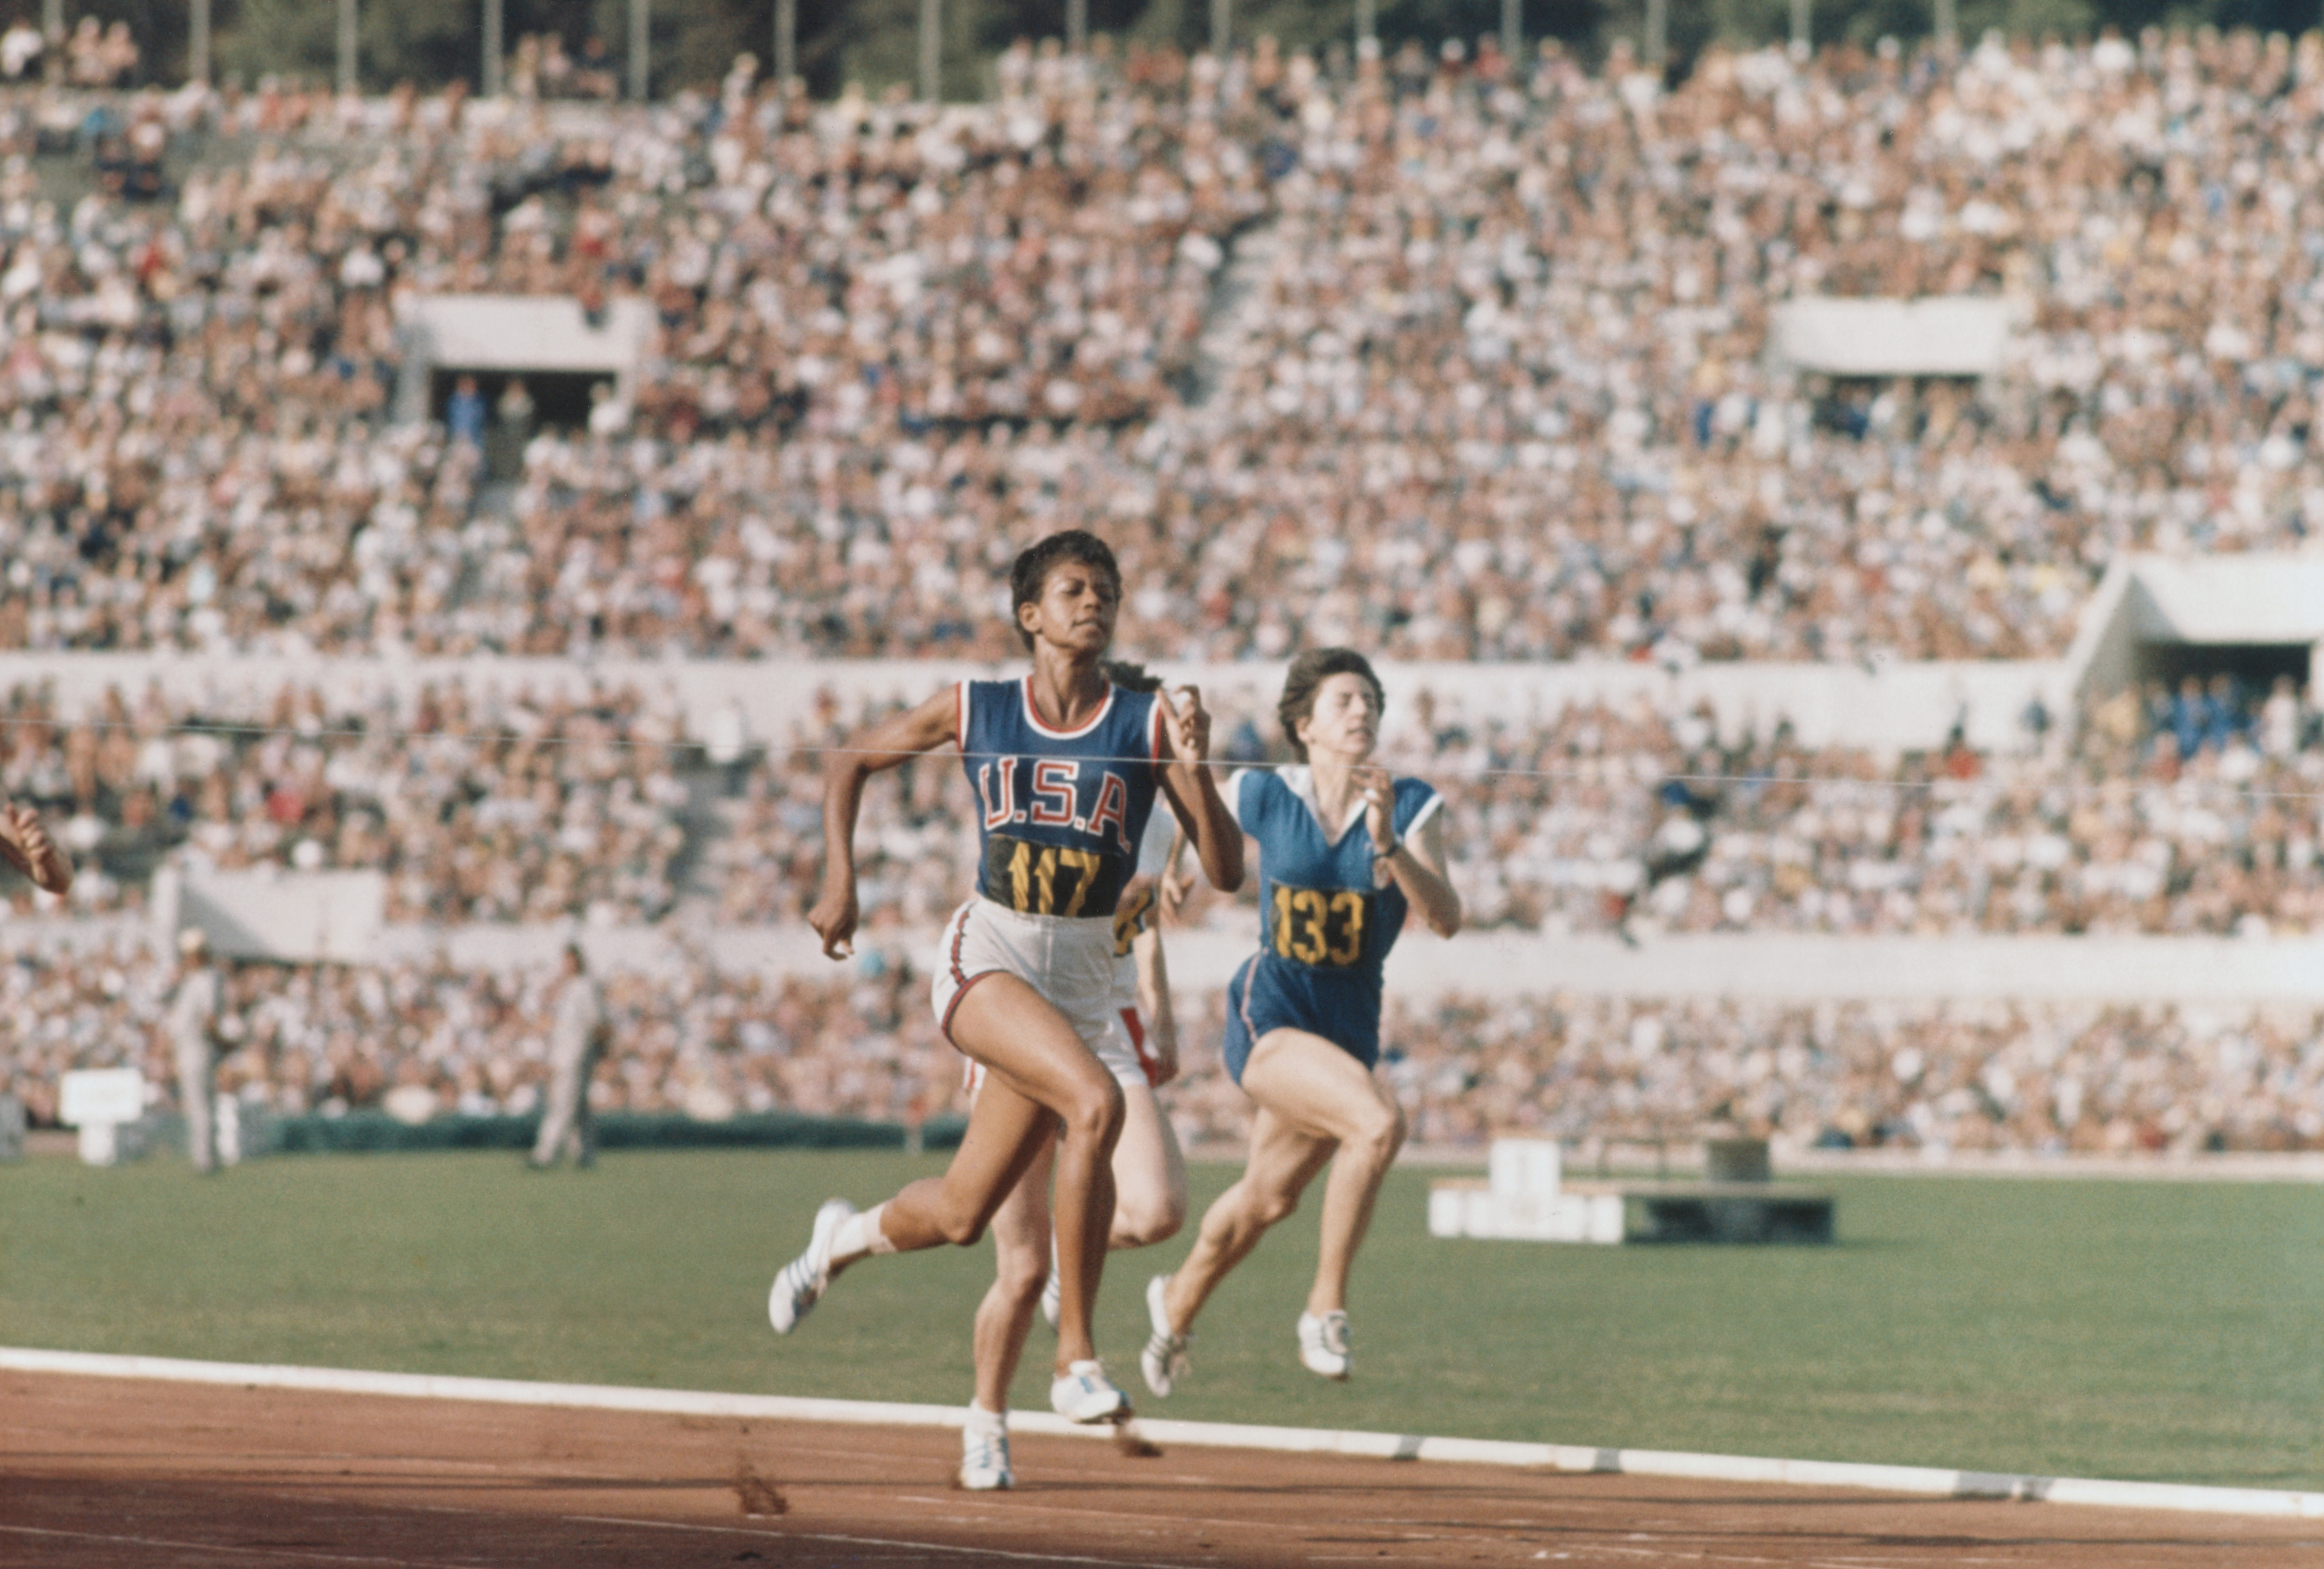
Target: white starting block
[
  {"x": 108, "y": 1106},
  {"x": 1526, "y": 1199},
  {"x": 1523, "y": 1200}
]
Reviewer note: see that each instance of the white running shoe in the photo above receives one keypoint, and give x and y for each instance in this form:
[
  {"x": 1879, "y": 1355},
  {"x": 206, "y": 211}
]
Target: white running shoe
[
  {"x": 802, "y": 1282},
  {"x": 1086, "y": 1395},
  {"x": 1323, "y": 1345},
  {"x": 984, "y": 1459},
  {"x": 1164, "y": 1362}
]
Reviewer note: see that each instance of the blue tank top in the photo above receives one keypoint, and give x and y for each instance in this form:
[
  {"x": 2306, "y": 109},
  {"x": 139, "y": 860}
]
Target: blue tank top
[
  {"x": 1325, "y": 906},
  {"x": 1060, "y": 812}
]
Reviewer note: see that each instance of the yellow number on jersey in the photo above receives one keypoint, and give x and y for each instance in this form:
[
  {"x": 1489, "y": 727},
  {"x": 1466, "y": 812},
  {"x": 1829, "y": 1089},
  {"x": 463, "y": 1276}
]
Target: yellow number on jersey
[{"x": 1322, "y": 929}]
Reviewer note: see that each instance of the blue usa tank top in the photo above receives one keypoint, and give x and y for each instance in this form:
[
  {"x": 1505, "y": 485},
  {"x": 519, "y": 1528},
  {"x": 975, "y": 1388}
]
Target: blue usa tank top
[{"x": 1060, "y": 812}]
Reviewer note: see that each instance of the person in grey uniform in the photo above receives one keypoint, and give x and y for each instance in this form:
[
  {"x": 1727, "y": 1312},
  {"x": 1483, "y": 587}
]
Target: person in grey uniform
[
  {"x": 193, "y": 1037},
  {"x": 576, "y": 1039}
]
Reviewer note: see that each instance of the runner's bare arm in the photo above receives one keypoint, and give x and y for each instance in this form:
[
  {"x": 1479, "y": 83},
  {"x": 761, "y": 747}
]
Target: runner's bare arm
[
  {"x": 1418, "y": 868},
  {"x": 1192, "y": 788},
  {"x": 1153, "y": 1004},
  {"x": 1172, "y": 886},
  {"x": 889, "y": 744}
]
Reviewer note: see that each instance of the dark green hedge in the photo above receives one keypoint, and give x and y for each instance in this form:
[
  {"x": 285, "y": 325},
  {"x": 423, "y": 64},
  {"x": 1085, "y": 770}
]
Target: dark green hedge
[{"x": 368, "y": 1133}]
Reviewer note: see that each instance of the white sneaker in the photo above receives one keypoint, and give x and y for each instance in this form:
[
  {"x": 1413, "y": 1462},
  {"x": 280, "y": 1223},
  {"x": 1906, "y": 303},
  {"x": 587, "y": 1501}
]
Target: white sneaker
[
  {"x": 1164, "y": 1362},
  {"x": 801, "y": 1283},
  {"x": 984, "y": 1459},
  {"x": 1085, "y": 1394},
  {"x": 1323, "y": 1345}
]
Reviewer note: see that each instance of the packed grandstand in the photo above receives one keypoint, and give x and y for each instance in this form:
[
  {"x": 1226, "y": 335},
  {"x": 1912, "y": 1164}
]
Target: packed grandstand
[{"x": 1450, "y": 356}]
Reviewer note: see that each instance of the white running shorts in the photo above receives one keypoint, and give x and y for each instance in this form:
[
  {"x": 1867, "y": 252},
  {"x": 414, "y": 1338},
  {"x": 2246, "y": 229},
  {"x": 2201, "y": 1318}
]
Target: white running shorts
[{"x": 1070, "y": 962}]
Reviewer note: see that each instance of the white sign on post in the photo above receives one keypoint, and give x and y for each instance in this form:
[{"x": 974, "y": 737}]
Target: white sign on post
[{"x": 100, "y": 1103}]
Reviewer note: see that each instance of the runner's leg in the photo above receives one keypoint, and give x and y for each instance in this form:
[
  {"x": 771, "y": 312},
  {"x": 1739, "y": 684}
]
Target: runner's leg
[
  {"x": 1020, "y": 1246},
  {"x": 1150, "y": 1174},
  {"x": 1284, "y": 1159},
  {"x": 1028, "y": 1048},
  {"x": 1309, "y": 1081}
]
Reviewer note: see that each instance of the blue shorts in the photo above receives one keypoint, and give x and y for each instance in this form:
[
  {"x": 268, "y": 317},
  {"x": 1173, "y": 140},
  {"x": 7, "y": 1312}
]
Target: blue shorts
[{"x": 1342, "y": 1009}]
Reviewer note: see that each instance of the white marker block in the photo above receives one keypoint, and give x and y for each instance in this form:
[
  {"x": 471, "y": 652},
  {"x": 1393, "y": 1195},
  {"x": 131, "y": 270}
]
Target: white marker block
[{"x": 1524, "y": 1167}]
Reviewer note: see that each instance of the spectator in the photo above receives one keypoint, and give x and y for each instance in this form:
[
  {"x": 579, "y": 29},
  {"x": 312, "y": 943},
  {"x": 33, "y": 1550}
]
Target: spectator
[
  {"x": 464, "y": 415},
  {"x": 87, "y": 62},
  {"x": 19, "y": 50},
  {"x": 192, "y": 1025},
  {"x": 576, "y": 1042}
]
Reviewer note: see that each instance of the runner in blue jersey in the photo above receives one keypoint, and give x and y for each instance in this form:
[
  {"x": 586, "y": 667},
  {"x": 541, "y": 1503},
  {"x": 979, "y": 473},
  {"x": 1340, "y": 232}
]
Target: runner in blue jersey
[
  {"x": 1344, "y": 852},
  {"x": 1066, "y": 768}
]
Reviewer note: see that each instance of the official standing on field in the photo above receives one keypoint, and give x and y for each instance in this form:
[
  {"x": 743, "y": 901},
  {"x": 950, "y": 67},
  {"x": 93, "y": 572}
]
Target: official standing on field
[
  {"x": 193, "y": 1035},
  {"x": 576, "y": 1041}
]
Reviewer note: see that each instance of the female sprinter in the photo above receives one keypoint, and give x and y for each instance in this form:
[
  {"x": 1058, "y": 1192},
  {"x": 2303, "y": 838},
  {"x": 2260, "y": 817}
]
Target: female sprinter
[
  {"x": 1343, "y": 850},
  {"x": 1149, "y": 1172},
  {"x": 1065, "y": 765}
]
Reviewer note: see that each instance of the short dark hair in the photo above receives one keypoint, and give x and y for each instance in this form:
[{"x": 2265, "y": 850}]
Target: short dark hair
[
  {"x": 1311, "y": 671},
  {"x": 1129, "y": 676},
  {"x": 1034, "y": 564}
]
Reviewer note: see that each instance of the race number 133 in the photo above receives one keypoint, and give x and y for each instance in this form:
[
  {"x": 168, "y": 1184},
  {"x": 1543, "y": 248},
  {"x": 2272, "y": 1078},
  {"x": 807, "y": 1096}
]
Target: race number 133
[{"x": 1321, "y": 927}]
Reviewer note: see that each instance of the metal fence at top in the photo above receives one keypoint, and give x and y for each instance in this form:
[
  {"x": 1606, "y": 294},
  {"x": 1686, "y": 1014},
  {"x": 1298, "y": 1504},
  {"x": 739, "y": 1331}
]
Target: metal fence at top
[
  {"x": 783, "y": 29},
  {"x": 492, "y": 43}
]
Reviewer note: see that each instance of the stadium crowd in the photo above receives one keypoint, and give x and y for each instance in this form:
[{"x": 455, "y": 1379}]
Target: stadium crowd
[
  {"x": 2195, "y": 811},
  {"x": 329, "y": 1038},
  {"x": 486, "y": 806},
  {"x": 1484, "y": 376},
  {"x": 1449, "y": 358},
  {"x": 445, "y": 1041},
  {"x": 2173, "y": 814},
  {"x": 1603, "y": 817},
  {"x": 2044, "y": 1078}
]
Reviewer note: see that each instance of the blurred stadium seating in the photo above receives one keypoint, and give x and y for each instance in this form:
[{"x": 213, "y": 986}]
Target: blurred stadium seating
[{"x": 1459, "y": 361}]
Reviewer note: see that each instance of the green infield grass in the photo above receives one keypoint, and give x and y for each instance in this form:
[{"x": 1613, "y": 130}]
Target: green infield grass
[{"x": 2153, "y": 1331}]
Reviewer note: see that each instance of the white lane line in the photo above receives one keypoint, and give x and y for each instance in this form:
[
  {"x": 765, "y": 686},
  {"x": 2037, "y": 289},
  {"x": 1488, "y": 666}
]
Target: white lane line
[
  {"x": 302, "y": 1553},
  {"x": 783, "y": 1535},
  {"x": 1892, "y": 1479}
]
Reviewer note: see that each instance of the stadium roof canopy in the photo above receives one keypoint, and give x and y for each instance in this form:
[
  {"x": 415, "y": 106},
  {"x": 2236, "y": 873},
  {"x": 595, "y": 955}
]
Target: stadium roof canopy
[{"x": 1945, "y": 336}]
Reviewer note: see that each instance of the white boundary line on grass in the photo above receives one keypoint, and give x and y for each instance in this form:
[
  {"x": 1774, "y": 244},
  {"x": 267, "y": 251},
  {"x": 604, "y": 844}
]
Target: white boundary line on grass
[{"x": 1562, "y": 1457}]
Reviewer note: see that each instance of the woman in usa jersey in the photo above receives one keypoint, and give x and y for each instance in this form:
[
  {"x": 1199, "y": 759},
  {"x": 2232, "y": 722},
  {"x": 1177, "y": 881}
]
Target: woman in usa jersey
[
  {"x": 1066, "y": 767},
  {"x": 1344, "y": 851}
]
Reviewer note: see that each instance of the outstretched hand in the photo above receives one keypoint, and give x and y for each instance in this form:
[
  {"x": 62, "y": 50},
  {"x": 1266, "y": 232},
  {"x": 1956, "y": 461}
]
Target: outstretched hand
[
  {"x": 1163, "y": 1050},
  {"x": 1189, "y": 723},
  {"x": 833, "y": 918},
  {"x": 1379, "y": 793},
  {"x": 1171, "y": 889},
  {"x": 40, "y": 859}
]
